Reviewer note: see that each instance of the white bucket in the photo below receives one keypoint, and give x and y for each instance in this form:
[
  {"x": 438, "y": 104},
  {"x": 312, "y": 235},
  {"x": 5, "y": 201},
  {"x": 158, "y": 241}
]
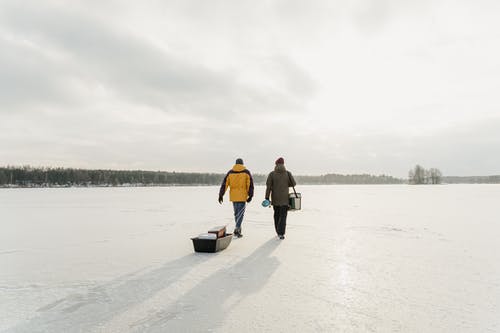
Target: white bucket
[{"x": 294, "y": 201}]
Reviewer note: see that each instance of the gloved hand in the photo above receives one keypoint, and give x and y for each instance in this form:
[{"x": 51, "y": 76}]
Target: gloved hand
[
  {"x": 249, "y": 199},
  {"x": 220, "y": 199}
]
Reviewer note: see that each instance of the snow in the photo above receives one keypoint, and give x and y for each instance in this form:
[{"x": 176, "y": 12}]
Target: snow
[{"x": 355, "y": 259}]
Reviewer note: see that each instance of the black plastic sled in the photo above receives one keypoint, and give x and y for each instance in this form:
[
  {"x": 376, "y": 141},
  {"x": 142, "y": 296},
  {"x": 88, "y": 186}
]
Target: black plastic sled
[
  {"x": 215, "y": 240},
  {"x": 212, "y": 245}
]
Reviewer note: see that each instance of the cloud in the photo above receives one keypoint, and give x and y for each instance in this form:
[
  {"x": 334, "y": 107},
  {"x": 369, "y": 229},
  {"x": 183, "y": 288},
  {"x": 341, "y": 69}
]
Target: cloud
[
  {"x": 29, "y": 77},
  {"x": 133, "y": 68},
  {"x": 467, "y": 148}
]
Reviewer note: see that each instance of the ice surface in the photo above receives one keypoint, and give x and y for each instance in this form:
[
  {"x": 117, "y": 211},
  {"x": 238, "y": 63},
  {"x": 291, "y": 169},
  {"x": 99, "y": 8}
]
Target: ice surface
[{"x": 355, "y": 259}]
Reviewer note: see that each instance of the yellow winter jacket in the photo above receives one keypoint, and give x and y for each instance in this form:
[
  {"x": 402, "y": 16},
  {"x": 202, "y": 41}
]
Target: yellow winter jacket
[{"x": 240, "y": 183}]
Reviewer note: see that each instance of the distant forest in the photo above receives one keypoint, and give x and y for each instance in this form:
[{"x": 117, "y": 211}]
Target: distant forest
[
  {"x": 27, "y": 176},
  {"x": 472, "y": 180}
]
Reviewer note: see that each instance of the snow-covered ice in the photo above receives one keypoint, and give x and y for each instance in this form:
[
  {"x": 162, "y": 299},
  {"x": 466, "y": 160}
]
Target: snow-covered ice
[{"x": 355, "y": 259}]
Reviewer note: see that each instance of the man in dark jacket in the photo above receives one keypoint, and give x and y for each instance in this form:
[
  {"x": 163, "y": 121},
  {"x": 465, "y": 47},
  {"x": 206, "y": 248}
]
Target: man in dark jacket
[
  {"x": 277, "y": 185},
  {"x": 240, "y": 183}
]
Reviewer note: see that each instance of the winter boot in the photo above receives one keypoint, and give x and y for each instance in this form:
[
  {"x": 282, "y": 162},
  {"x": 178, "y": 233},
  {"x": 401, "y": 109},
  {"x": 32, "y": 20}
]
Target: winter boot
[{"x": 237, "y": 232}]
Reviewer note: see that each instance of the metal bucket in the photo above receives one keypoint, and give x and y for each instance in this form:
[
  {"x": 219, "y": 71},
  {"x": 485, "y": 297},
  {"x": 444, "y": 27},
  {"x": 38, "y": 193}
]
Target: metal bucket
[{"x": 294, "y": 200}]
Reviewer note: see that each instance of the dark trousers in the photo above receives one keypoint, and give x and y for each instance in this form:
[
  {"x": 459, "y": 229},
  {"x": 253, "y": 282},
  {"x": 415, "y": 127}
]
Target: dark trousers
[{"x": 280, "y": 213}]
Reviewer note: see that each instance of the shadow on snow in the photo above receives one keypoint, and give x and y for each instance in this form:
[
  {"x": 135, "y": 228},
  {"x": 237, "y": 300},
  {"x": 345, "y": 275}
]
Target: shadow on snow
[{"x": 202, "y": 308}]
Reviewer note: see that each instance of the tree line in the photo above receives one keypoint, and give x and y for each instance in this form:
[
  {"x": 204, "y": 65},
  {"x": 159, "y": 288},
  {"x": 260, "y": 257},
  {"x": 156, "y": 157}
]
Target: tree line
[
  {"x": 331, "y": 179},
  {"x": 472, "y": 179},
  {"x": 27, "y": 176},
  {"x": 420, "y": 175}
]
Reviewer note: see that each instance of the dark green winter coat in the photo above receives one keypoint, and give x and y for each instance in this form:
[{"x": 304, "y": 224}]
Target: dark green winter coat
[{"x": 277, "y": 185}]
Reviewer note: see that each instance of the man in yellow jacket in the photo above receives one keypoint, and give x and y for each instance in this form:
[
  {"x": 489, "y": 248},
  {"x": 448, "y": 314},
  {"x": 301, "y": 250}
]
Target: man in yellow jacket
[{"x": 240, "y": 183}]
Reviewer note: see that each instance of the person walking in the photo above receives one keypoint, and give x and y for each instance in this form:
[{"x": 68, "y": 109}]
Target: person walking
[
  {"x": 240, "y": 183},
  {"x": 277, "y": 185}
]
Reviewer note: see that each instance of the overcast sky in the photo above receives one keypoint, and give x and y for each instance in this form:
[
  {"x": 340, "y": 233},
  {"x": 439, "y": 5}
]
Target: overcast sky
[{"x": 360, "y": 86}]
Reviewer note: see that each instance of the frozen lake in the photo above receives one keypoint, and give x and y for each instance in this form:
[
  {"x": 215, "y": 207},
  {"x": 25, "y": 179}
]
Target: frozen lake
[{"x": 355, "y": 259}]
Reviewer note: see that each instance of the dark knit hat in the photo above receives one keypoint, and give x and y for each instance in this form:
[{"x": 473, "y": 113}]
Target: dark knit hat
[
  {"x": 280, "y": 161},
  {"x": 239, "y": 161}
]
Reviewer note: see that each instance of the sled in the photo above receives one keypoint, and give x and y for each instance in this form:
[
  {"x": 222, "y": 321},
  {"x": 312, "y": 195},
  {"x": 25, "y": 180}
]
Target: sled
[
  {"x": 211, "y": 245},
  {"x": 215, "y": 240}
]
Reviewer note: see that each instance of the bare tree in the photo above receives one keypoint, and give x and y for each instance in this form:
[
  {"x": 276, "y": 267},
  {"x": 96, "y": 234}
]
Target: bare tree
[
  {"x": 420, "y": 175},
  {"x": 411, "y": 176},
  {"x": 435, "y": 176}
]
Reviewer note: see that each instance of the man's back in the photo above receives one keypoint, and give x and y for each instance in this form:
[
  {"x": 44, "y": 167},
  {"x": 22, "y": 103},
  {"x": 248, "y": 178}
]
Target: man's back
[{"x": 240, "y": 183}]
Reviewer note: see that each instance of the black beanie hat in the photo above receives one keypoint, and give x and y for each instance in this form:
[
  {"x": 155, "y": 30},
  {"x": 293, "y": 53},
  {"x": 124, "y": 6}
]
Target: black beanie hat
[{"x": 239, "y": 161}]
